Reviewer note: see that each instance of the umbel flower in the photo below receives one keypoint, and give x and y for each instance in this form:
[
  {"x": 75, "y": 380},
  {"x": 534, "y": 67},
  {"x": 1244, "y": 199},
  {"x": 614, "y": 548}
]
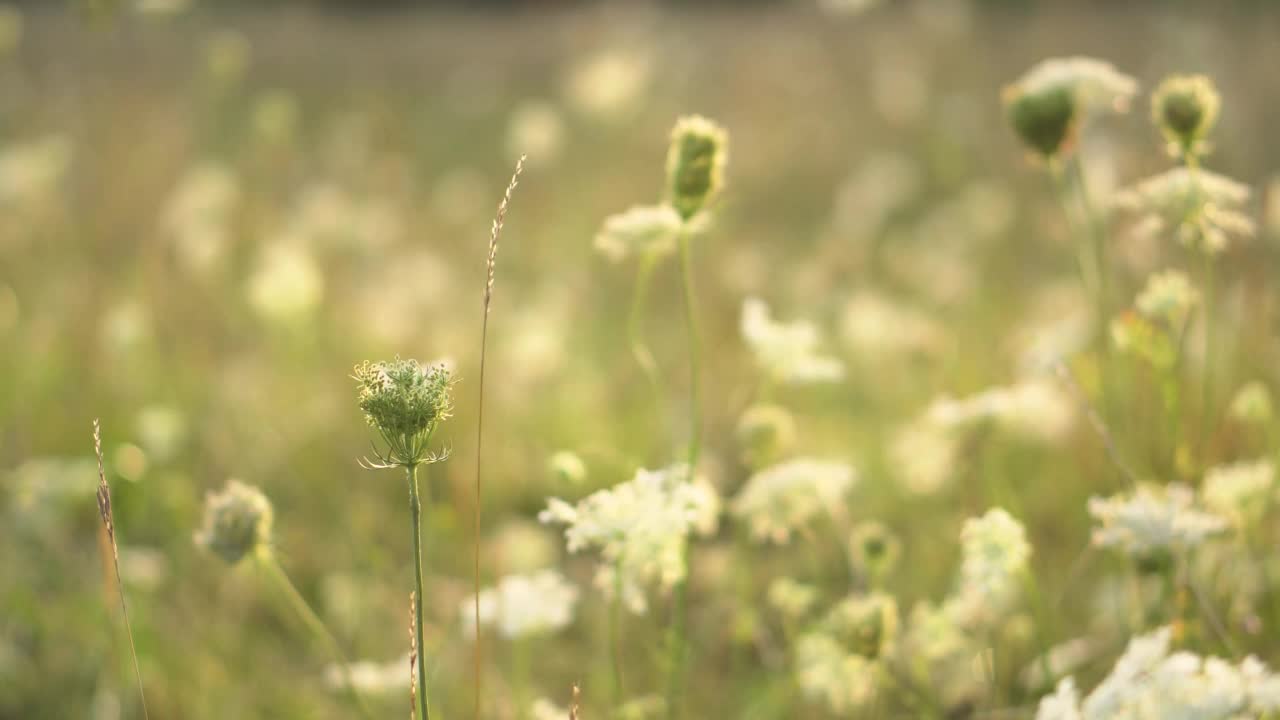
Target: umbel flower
[
  {"x": 524, "y": 605},
  {"x": 640, "y": 529},
  {"x": 786, "y": 352},
  {"x": 237, "y": 522},
  {"x": 1185, "y": 109},
  {"x": 695, "y": 164},
  {"x": 1153, "y": 521},
  {"x": 1048, "y": 103},
  {"x": 648, "y": 231},
  {"x": 404, "y": 402},
  {"x": 1203, "y": 209},
  {"x": 783, "y": 499}
]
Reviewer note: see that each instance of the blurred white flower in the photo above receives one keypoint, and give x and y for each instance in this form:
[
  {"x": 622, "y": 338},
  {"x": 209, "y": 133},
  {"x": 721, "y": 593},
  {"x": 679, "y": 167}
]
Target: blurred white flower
[
  {"x": 368, "y": 676},
  {"x": 523, "y": 605},
  {"x": 786, "y": 352},
  {"x": 877, "y": 328},
  {"x": 923, "y": 456},
  {"x": 782, "y": 499},
  {"x": 608, "y": 83},
  {"x": 536, "y": 129},
  {"x": 198, "y": 214},
  {"x": 640, "y": 529},
  {"x": 1037, "y": 408},
  {"x": 791, "y": 598},
  {"x": 31, "y": 171},
  {"x": 1063, "y": 704},
  {"x": 995, "y": 553},
  {"x": 1201, "y": 209},
  {"x": 647, "y": 231},
  {"x": 841, "y": 680},
  {"x": 287, "y": 283},
  {"x": 1151, "y": 520},
  {"x": 544, "y": 709},
  {"x": 1241, "y": 492},
  {"x": 1168, "y": 297},
  {"x": 161, "y": 430},
  {"x": 1095, "y": 84}
]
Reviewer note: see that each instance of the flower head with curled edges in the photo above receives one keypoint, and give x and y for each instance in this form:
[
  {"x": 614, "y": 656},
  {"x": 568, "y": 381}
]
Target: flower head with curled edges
[
  {"x": 1185, "y": 109},
  {"x": 1047, "y": 104},
  {"x": 404, "y": 402},
  {"x": 237, "y": 522},
  {"x": 695, "y": 164}
]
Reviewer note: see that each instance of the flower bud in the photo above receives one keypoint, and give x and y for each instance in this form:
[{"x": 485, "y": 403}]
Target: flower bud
[
  {"x": 1185, "y": 108},
  {"x": 567, "y": 468},
  {"x": 405, "y": 402},
  {"x": 874, "y": 549},
  {"x": 1044, "y": 118},
  {"x": 695, "y": 164},
  {"x": 764, "y": 434},
  {"x": 237, "y": 522}
]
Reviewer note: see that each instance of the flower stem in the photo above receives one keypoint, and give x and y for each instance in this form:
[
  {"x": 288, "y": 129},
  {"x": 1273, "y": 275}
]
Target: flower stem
[
  {"x": 315, "y": 625},
  {"x": 415, "y": 512},
  {"x": 635, "y": 330},
  {"x": 1206, "y": 389},
  {"x": 676, "y": 638},
  {"x": 615, "y": 637}
]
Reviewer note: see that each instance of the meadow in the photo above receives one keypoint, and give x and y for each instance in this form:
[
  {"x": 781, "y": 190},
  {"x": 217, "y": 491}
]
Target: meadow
[{"x": 964, "y": 318}]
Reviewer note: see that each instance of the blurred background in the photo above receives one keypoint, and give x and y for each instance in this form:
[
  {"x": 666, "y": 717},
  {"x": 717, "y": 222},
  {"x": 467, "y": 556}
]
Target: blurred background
[{"x": 210, "y": 212}]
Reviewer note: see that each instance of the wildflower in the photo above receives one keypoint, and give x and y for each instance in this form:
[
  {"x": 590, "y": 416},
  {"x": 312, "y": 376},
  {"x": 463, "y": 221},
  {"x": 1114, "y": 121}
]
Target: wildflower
[
  {"x": 523, "y": 605},
  {"x": 644, "y": 231},
  {"x": 1202, "y": 209},
  {"x": 237, "y": 522},
  {"x": 198, "y": 213},
  {"x": 288, "y": 282},
  {"x": 404, "y": 402},
  {"x": 786, "y": 352},
  {"x": 865, "y": 625},
  {"x": 567, "y": 468},
  {"x": 1133, "y": 333},
  {"x": 536, "y": 129},
  {"x": 791, "y": 598},
  {"x": 764, "y": 433},
  {"x": 1252, "y": 403},
  {"x": 924, "y": 456},
  {"x": 1152, "y": 521},
  {"x": 1241, "y": 491},
  {"x": 1149, "y": 681},
  {"x": 368, "y": 676},
  {"x": 1037, "y": 408},
  {"x": 1185, "y": 109},
  {"x": 1048, "y": 103},
  {"x": 874, "y": 549},
  {"x": 877, "y": 327},
  {"x": 695, "y": 164},
  {"x": 608, "y": 83},
  {"x": 995, "y": 552},
  {"x": 842, "y": 680},
  {"x": 782, "y": 499},
  {"x": 1168, "y": 297},
  {"x": 544, "y": 709},
  {"x": 639, "y": 528}
]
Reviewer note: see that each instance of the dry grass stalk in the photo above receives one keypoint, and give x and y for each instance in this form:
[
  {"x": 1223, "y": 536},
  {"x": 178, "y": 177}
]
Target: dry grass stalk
[
  {"x": 573, "y": 704},
  {"x": 494, "y": 234},
  {"x": 108, "y": 521},
  {"x": 413, "y": 660}
]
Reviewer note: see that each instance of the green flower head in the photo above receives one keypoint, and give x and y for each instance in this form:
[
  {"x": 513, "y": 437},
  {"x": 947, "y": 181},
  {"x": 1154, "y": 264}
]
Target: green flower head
[
  {"x": 695, "y": 164},
  {"x": 404, "y": 402},
  {"x": 1185, "y": 108},
  {"x": 237, "y": 522},
  {"x": 1044, "y": 118}
]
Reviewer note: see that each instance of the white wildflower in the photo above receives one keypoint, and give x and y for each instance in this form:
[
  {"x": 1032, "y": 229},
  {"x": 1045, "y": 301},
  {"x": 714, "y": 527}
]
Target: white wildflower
[
  {"x": 287, "y": 283},
  {"x": 924, "y": 456},
  {"x": 647, "y": 231},
  {"x": 994, "y": 554},
  {"x": 1152, "y": 520},
  {"x": 1168, "y": 297},
  {"x": 1241, "y": 491},
  {"x": 544, "y": 709},
  {"x": 536, "y": 129},
  {"x": 843, "y": 681},
  {"x": 783, "y": 498},
  {"x": 523, "y": 605},
  {"x": 198, "y": 214},
  {"x": 368, "y": 676},
  {"x": 791, "y": 598},
  {"x": 1063, "y": 704},
  {"x": 1095, "y": 84},
  {"x": 610, "y": 82},
  {"x": 786, "y": 352},
  {"x": 1037, "y": 408},
  {"x": 876, "y": 327},
  {"x": 1203, "y": 209},
  {"x": 639, "y": 528}
]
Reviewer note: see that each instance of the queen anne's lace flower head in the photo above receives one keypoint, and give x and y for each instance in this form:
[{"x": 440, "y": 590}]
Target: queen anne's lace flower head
[
  {"x": 1169, "y": 298},
  {"x": 1185, "y": 109},
  {"x": 1202, "y": 209},
  {"x": 1047, "y": 104},
  {"x": 646, "y": 231},
  {"x": 639, "y": 528},
  {"x": 994, "y": 554},
  {"x": 829, "y": 673},
  {"x": 1241, "y": 491},
  {"x": 522, "y": 605},
  {"x": 786, "y": 352},
  {"x": 781, "y": 499},
  {"x": 1152, "y": 520},
  {"x": 237, "y": 522}
]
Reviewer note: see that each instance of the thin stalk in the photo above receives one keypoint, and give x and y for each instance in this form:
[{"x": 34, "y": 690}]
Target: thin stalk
[
  {"x": 315, "y": 625},
  {"x": 635, "y": 325},
  {"x": 615, "y": 638},
  {"x": 490, "y": 267},
  {"x": 1206, "y": 389},
  {"x": 415, "y": 512},
  {"x": 676, "y": 637},
  {"x": 108, "y": 522}
]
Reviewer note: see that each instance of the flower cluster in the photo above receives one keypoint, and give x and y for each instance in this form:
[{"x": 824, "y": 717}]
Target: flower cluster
[
  {"x": 404, "y": 402},
  {"x": 237, "y": 522},
  {"x": 522, "y": 605},
  {"x": 786, "y": 352},
  {"x": 639, "y": 528},
  {"x": 1242, "y": 491},
  {"x": 1185, "y": 109},
  {"x": 1150, "y": 681},
  {"x": 1047, "y": 104},
  {"x": 994, "y": 552},
  {"x": 1201, "y": 208},
  {"x": 780, "y": 500},
  {"x": 1152, "y": 521}
]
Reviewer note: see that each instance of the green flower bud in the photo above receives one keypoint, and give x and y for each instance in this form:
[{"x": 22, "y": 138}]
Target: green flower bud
[
  {"x": 1045, "y": 118},
  {"x": 764, "y": 434},
  {"x": 405, "y": 402},
  {"x": 567, "y": 468},
  {"x": 695, "y": 164},
  {"x": 1185, "y": 108},
  {"x": 874, "y": 549},
  {"x": 867, "y": 625},
  {"x": 237, "y": 522}
]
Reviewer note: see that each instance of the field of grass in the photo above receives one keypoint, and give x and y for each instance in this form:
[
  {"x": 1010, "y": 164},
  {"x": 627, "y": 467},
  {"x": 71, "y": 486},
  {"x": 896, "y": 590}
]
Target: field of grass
[{"x": 969, "y": 422}]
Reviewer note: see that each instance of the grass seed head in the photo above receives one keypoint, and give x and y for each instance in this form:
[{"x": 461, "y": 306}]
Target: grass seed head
[{"x": 695, "y": 164}]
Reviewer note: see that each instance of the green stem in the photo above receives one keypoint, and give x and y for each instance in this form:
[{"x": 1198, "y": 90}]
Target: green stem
[
  {"x": 615, "y": 637},
  {"x": 316, "y": 626},
  {"x": 415, "y": 511},
  {"x": 676, "y": 638},
  {"x": 635, "y": 325},
  {"x": 1206, "y": 396}
]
